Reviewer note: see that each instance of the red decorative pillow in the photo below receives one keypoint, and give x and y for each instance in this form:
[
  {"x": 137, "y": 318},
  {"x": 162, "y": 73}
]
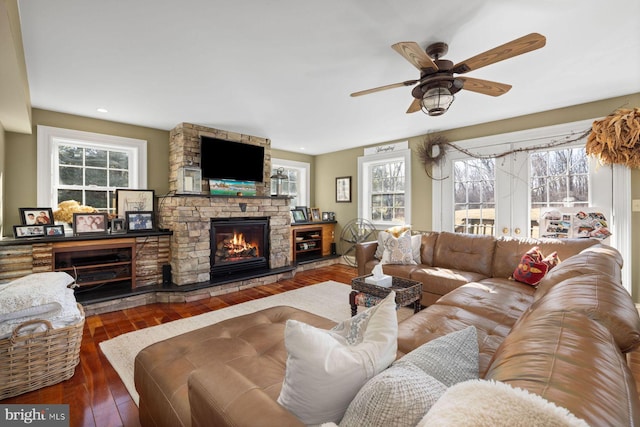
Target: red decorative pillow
[
  {"x": 532, "y": 267},
  {"x": 551, "y": 260}
]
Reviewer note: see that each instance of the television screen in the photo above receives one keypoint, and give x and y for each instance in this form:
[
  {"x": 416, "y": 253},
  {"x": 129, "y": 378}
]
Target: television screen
[{"x": 222, "y": 159}]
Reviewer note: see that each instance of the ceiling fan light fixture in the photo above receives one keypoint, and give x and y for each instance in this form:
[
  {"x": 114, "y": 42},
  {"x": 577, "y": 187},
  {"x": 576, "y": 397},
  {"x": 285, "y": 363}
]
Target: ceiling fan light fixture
[{"x": 436, "y": 101}]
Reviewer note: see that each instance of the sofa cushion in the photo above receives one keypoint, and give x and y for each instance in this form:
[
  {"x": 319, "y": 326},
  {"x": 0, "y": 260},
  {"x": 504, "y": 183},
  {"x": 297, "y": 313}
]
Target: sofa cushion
[
  {"x": 402, "y": 394},
  {"x": 465, "y": 252},
  {"x": 600, "y": 298},
  {"x": 595, "y": 259},
  {"x": 572, "y": 361},
  {"x": 427, "y": 247},
  {"x": 440, "y": 280},
  {"x": 326, "y": 368},
  {"x": 509, "y": 250}
]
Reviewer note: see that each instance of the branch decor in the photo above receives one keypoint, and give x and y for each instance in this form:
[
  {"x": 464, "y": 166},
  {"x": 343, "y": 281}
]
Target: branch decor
[{"x": 616, "y": 138}]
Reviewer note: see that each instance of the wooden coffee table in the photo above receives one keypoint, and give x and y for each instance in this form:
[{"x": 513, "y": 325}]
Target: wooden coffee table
[{"x": 367, "y": 295}]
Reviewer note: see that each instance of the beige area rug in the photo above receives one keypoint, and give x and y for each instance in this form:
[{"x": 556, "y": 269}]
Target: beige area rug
[{"x": 328, "y": 299}]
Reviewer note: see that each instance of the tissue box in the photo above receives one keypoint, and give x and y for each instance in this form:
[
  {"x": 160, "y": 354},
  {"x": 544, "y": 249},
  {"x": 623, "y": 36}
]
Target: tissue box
[{"x": 385, "y": 281}]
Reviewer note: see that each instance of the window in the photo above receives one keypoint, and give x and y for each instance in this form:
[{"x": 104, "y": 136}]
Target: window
[
  {"x": 87, "y": 167},
  {"x": 535, "y": 176},
  {"x": 384, "y": 195},
  {"x": 474, "y": 196},
  {"x": 296, "y": 185}
]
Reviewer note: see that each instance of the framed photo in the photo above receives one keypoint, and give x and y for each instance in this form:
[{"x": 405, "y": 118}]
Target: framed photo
[
  {"x": 140, "y": 220},
  {"x": 36, "y": 216},
  {"x": 134, "y": 200},
  {"x": 90, "y": 223},
  {"x": 22, "y": 231},
  {"x": 315, "y": 214},
  {"x": 54, "y": 230},
  {"x": 118, "y": 225},
  {"x": 343, "y": 189},
  {"x": 299, "y": 215},
  {"x": 307, "y": 212}
]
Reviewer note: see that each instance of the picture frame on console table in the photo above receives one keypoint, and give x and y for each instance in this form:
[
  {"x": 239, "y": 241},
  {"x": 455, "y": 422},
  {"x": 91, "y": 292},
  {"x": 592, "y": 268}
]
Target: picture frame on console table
[
  {"x": 140, "y": 221},
  {"x": 25, "y": 231},
  {"x": 134, "y": 200},
  {"x": 36, "y": 216},
  {"x": 299, "y": 215},
  {"x": 90, "y": 223},
  {"x": 315, "y": 214},
  {"x": 54, "y": 230}
]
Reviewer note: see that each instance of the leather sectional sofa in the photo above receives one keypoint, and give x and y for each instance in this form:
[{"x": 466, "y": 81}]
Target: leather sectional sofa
[{"x": 564, "y": 340}]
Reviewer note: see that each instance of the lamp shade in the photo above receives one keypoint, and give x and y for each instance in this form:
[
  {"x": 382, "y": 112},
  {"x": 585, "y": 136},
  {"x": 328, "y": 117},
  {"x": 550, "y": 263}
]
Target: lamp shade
[{"x": 436, "y": 101}]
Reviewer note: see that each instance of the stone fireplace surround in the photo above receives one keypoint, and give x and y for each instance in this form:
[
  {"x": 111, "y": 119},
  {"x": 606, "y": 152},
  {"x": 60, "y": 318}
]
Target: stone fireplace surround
[{"x": 188, "y": 216}]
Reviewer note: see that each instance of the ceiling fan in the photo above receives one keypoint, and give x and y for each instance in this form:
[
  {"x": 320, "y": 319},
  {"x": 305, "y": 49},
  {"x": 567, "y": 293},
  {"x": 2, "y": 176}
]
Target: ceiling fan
[{"x": 435, "y": 89}]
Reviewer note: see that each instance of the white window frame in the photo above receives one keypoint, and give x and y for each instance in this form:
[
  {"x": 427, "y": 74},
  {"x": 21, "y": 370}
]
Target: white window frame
[
  {"x": 48, "y": 139},
  {"x": 304, "y": 185},
  {"x": 364, "y": 183},
  {"x": 619, "y": 183}
]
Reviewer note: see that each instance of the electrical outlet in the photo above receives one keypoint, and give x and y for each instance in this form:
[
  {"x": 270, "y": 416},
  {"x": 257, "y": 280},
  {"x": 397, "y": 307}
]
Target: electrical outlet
[{"x": 635, "y": 205}]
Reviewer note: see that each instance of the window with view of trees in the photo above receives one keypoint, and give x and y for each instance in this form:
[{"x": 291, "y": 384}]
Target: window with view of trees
[
  {"x": 385, "y": 179},
  {"x": 474, "y": 199},
  {"x": 87, "y": 167}
]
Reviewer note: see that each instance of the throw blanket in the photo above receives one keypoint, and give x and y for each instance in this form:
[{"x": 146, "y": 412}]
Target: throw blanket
[{"x": 38, "y": 296}]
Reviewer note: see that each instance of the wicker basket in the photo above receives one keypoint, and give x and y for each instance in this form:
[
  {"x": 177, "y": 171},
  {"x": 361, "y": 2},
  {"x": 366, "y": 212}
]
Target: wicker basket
[
  {"x": 32, "y": 361},
  {"x": 406, "y": 290}
]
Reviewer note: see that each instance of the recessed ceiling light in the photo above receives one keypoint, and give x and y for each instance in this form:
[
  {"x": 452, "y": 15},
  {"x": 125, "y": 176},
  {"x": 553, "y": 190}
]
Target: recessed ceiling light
[{"x": 102, "y": 110}]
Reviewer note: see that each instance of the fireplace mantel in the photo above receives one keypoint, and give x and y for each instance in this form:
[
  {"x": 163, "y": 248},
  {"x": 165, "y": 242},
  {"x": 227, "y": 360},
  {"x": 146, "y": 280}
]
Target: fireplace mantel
[{"x": 189, "y": 216}]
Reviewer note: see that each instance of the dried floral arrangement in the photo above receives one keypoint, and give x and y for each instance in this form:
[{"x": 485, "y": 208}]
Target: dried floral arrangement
[
  {"x": 66, "y": 209},
  {"x": 616, "y": 138}
]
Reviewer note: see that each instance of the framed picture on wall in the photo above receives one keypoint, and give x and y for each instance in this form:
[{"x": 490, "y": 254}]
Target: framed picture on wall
[{"x": 343, "y": 189}]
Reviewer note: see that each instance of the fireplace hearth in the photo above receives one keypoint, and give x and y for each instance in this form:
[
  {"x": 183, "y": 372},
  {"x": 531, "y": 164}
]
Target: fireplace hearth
[{"x": 238, "y": 245}]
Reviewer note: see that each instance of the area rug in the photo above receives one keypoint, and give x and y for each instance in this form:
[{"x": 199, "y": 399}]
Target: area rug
[{"x": 328, "y": 299}]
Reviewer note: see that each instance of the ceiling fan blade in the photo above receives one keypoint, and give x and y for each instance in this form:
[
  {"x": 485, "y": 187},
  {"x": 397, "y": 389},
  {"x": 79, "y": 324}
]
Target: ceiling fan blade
[
  {"x": 485, "y": 87},
  {"x": 515, "y": 47},
  {"x": 415, "y": 106},
  {"x": 385, "y": 87},
  {"x": 413, "y": 53}
]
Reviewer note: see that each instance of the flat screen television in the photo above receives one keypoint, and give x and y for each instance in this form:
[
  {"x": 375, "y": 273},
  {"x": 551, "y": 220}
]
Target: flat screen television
[{"x": 223, "y": 159}]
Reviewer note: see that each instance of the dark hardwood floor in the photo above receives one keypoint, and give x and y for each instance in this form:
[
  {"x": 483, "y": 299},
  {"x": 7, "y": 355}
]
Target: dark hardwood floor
[{"x": 95, "y": 394}]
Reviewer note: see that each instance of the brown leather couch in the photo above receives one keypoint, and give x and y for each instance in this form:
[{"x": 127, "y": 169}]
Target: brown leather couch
[{"x": 563, "y": 340}]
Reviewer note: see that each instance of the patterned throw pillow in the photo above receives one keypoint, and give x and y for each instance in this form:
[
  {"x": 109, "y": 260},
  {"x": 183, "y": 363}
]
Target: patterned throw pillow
[
  {"x": 533, "y": 266},
  {"x": 398, "y": 250},
  {"x": 402, "y": 395},
  {"x": 395, "y": 231}
]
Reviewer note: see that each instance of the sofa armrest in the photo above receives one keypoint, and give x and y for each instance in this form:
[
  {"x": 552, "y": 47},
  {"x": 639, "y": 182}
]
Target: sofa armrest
[
  {"x": 219, "y": 395},
  {"x": 365, "y": 252}
]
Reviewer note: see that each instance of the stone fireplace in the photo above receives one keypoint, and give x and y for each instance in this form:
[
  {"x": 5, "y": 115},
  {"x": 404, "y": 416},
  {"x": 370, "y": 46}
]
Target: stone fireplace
[
  {"x": 238, "y": 245},
  {"x": 191, "y": 216}
]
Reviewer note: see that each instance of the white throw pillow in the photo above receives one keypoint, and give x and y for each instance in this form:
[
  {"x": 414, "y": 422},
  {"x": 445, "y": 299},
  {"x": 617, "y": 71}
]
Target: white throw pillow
[
  {"x": 416, "y": 245},
  {"x": 326, "y": 368},
  {"x": 398, "y": 250}
]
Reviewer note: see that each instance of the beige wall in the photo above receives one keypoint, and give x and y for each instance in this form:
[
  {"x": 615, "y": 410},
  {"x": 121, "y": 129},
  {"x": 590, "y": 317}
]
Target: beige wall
[{"x": 20, "y": 157}]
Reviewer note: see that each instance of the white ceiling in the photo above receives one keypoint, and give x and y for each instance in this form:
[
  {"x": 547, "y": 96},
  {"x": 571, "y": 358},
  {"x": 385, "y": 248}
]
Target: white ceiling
[{"x": 284, "y": 69}]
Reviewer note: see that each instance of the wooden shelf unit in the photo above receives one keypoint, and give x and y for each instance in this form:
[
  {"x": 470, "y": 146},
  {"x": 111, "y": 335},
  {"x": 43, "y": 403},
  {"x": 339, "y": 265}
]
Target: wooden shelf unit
[
  {"x": 95, "y": 262},
  {"x": 311, "y": 240}
]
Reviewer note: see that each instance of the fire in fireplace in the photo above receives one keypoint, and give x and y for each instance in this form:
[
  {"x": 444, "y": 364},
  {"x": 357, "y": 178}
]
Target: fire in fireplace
[{"x": 239, "y": 245}]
